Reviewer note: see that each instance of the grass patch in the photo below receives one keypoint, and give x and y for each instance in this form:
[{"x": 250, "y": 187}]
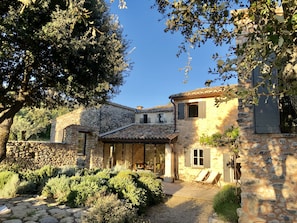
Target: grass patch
[{"x": 226, "y": 202}]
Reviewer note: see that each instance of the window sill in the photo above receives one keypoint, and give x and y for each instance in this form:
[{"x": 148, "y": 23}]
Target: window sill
[{"x": 197, "y": 167}]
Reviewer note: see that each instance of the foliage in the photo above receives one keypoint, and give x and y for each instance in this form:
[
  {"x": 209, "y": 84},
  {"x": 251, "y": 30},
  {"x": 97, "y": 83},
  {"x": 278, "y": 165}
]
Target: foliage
[
  {"x": 68, "y": 171},
  {"x": 57, "y": 188},
  {"x": 125, "y": 185},
  {"x": 81, "y": 187},
  {"x": 33, "y": 123},
  {"x": 110, "y": 209},
  {"x": 228, "y": 138},
  {"x": 57, "y": 53},
  {"x": 9, "y": 182},
  {"x": 154, "y": 189},
  {"x": 26, "y": 187},
  {"x": 39, "y": 177},
  {"x": 226, "y": 202},
  {"x": 85, "y": 188},
  {"x": 13, "y": 167},
  {"x": 261, "y": 34},
  {"x": 5, "y": 177}
]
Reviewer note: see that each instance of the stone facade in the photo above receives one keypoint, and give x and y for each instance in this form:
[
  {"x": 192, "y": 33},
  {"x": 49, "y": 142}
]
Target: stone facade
[
  {"x": 212, "y": 119},
  {"x": 158, "y": 115},
  {"x": 268, "y": 180},
  {"x": 103, "y": 117},
  {"x": 34, "y": 155}
]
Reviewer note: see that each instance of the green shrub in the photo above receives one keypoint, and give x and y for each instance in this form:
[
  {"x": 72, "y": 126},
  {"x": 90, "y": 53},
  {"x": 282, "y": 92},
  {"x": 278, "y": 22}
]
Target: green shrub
[
  {"x": 109, "y": 209},
  {"x": 125, "y": 185},
  {"x": 226, "y": 202},
  {"x": 146, "y": 173},
  {"x": 5, "y": 177},
  {"x": 26, "y": 187},
  {"x": 75, "y": 190},
  {"x": 104, "y": 175},
  {"x": 57, "y": 188},
  {"x": 81, "y": 191},
  {"x": 153, "y": 187},
  {"x": 87, "y": 172},
  {"x": 39, "y": 177},
  {"x": 9, "y": 182},
  {"x": 9, "y": 166},
  {"x": 68, "y": 171}
]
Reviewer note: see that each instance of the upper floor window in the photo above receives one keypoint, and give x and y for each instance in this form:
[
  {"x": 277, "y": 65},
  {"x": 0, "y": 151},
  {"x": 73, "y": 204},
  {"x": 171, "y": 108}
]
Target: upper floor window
[
  {"x": 145, "y": 119},
  {"x": 161, "y": 118},
  {"x": 191, "y": 110},
  {"x": 274, "y": 114}
]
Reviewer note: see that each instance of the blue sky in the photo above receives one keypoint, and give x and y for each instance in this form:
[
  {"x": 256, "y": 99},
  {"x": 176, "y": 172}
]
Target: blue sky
[{"x": 156, "y": 70}]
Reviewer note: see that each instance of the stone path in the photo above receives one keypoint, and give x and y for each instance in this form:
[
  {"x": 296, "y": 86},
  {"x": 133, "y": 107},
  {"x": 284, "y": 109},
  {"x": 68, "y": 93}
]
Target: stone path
[{"x": 32, "y": 209}]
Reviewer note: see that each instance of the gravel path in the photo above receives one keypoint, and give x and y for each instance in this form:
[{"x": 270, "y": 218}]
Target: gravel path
[{"x": 181, "y": 210}]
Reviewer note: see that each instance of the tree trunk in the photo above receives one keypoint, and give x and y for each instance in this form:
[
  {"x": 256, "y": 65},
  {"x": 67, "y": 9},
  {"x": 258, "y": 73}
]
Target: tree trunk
[{"x": 4, "y": 135}]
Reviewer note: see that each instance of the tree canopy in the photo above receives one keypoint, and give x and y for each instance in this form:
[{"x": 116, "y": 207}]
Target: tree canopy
[
  {"x": 57, "y": 52},
  {"x": 261, "y": 34},
  {"x": 34, "y": 123}
]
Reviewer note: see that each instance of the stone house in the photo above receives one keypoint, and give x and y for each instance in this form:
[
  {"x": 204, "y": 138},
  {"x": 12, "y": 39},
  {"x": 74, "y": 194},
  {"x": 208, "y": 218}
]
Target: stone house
[
  {"x": 162, "y": 139},
  {"x": 82, "y": 127},
  {"x": 196, "y": 115}
]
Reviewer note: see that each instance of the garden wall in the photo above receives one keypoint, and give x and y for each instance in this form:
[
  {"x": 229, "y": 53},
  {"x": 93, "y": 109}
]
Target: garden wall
[
  {"x": 33, "y": 155},
  {"x": 269, "y": 173}
]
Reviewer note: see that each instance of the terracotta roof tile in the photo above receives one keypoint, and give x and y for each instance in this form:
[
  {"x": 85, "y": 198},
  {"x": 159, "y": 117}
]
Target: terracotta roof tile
[
  {"x": 201, "y": 92},
  {"x": 153, "y": 133}
]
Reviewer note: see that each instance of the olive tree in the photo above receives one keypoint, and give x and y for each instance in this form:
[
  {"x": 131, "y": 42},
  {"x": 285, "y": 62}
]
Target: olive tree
[
  {"x": 57, "y": 52},
  {"x": 267, "y": 30}
]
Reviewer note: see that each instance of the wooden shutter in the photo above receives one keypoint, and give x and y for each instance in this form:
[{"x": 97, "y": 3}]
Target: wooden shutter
[
  {"x": 226, "y": 169},
  {"x": 188, "y": 157},
  {"x": 206, "y": 153},
  {"x": 181, "y": 110},
  {"x": 266, "y": 112},
  {"x": 202, "y": 109}
]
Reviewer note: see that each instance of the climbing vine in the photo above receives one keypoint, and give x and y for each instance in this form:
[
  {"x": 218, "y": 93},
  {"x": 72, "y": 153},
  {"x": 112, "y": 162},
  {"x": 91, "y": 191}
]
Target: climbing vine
[{"x": 227, "y": 138}]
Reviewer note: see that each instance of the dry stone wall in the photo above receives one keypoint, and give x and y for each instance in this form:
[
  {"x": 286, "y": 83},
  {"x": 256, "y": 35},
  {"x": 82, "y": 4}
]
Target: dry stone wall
[
  {"x": 34, "y": 155},
  {"x": 269, "y": 173}
]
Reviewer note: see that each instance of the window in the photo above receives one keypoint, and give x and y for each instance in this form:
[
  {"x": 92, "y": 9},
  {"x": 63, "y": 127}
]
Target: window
[
  {"x": 274, "y": 114},
  {"x": 82, "y": 143},
  {"x": 191, "y": 110},
  {"x": 161, "y": 118},
  {"x": 198, "y": 157},
  {"x": 144, "y": 118}
]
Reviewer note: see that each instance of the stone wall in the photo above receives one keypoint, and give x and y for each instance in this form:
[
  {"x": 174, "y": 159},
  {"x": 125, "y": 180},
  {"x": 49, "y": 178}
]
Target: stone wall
[
  {"x": 34, "y": 155},
  {"x": 269, "y": 176}
]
